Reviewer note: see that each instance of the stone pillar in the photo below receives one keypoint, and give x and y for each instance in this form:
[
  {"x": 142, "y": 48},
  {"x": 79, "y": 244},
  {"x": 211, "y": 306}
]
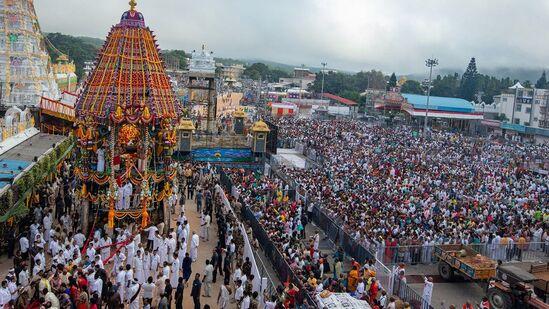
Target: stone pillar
[
  {"x": 212, "y": 107},
  {"x": 185, "y": 129},
  {"x": 238, "y": 118},
  {"x": 259, "y": 131}
]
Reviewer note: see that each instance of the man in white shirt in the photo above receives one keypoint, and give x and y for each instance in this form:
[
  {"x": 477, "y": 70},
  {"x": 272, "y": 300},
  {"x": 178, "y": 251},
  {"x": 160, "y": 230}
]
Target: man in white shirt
[
  {"x": 155, "y": 262},
  {"x": 12, "y": 286},
  {"x": 50, "y": 297},
  {"x": 207, "y": 223},
  {"x": 24, "y": 277},
  {"x": 208, "y": 278},
  {"x": 24, "y": 247},
  {"x": 239, "y": 293},
  {"x": 150, "y": 238},
  {"x": 97, "y": 285},
  {"x": 105, "y": 243},
  {"x": 195, "y": 241},
  {"x": 148, "y": 290},
  {"x": 246, "y": 301},
  {"x": 79, "y": 239},
  {"x": 5, "y": 295},
  {"x": 47, "y": 221},
  {"x": 120, "y": 281}
]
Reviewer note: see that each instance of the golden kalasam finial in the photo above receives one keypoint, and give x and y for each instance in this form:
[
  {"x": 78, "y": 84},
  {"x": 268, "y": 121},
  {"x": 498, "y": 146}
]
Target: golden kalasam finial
[{"x": 132, "y": 4}]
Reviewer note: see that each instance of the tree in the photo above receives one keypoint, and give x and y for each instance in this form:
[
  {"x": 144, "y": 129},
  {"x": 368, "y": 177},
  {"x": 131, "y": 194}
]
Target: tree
[
  {"x": 76, "y": 48},
  {"x": 542, "y": 81},
  {"x": 392, "y": 81},
  {"x": 446, "y": 86},
  {"x": 177, "y": 55},
  {"x": 527, "y": 84},
  {"x": 256, "y": 71},
  {"x": 261, "y": 70},
  {"x": 469, "y": 81},
  {"x": 351, "y": 95},
  {"x": 411, "y": 86}
]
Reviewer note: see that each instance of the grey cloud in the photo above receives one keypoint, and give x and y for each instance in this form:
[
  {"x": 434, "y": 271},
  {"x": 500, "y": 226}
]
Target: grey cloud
[{"x": 348, "y": 34}]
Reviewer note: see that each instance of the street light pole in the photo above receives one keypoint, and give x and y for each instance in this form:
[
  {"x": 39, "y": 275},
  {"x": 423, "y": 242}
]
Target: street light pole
[
  {"x": 324, "y": 64},
  {"x": 430, "y": 63}
]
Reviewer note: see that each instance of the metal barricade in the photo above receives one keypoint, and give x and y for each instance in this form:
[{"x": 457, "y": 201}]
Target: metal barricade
[
  {"x": 406, "y": 293},
  {"x": 284, "y": 271},
  {"x": 424, "y": 254}
]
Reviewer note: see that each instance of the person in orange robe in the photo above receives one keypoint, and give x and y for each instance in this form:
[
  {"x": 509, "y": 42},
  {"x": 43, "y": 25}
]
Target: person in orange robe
[{"x": 352, "y": 280}]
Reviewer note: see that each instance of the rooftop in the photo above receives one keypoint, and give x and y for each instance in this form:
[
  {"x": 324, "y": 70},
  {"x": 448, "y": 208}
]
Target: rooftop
[
  {"x": 439, "y": 103},
  {"x": 339, "y": 99}
]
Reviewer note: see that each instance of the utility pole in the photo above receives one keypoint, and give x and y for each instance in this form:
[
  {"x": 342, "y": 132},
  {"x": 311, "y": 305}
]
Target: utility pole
[
  {"x": 430, "y": 63},
  {"x": 324, "y": 64}
]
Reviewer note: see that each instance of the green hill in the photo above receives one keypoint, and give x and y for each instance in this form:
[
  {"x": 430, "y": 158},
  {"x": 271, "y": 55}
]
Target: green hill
[{"x": 78, "y": 50}]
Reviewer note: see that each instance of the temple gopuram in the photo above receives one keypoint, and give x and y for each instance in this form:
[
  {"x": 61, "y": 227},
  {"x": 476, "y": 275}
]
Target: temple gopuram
[{"x": 126, "y": 120}]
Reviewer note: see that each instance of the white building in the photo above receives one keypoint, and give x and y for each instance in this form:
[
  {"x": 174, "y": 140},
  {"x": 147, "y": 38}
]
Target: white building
[
  {"x": 522, "y": 113},
  {"x": 521, "y": 106},
  {"x": 202, "y": 61}
]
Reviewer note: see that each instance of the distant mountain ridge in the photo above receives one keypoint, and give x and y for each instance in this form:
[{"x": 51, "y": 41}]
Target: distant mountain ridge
[{"x": 522, "y": 74}]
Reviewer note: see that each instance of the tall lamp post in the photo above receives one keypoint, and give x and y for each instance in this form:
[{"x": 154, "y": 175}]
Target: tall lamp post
[
  {"x": 324, "y": 64},
  {"x": 430, "y": 63}
]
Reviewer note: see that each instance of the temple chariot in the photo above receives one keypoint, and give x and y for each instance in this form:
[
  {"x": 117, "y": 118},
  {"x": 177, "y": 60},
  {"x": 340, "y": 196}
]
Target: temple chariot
[{"x": 126, "y": 120}]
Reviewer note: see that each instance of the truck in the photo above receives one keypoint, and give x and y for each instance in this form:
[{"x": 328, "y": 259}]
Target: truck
[
  {"x": 464, "y": 261},
  {"x": 541, "y": 285},
  {"x": 512, "y": 288}
]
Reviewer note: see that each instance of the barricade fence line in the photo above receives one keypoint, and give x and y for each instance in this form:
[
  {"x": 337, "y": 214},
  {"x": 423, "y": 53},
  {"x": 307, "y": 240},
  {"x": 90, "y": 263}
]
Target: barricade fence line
[
  {"x": 424, "y": 254},
  {"x": 279, "y": 263},
  {"x": 341, "y": 238}
]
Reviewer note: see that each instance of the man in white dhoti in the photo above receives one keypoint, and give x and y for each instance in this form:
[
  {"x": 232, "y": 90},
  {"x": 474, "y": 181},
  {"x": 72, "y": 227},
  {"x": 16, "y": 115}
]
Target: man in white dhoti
[
  {"x": 223, "y": 297},
  {"x": 130, "y": 252},
  {"x": 427, "y": 292},
  {"x": 128, "y": 278},
  {"x": 119, "y": 261},
  {"x": 128, "y": 191},
  {"x": 195, "y": 241},
  {"x": 138, "y": 266},
  {"x": 133, "y": 291},
  {"x": 146, "y": 264},
  {"x": 121, "y": 282},
  {"x": 155, "y": 262},
  {"x": 105, "y": 243},
  {"x": 174, "y": 276},
  {"x": 47, "y": 221},
  {"x": 171, "y": 245}
]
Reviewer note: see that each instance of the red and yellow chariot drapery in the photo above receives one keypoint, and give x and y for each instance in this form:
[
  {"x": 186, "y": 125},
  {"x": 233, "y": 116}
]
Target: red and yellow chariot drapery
[{"x": 126, "y": 117}]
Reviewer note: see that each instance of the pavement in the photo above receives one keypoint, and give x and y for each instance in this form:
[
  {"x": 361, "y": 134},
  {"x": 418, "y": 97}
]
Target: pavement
[{"x": 456, "y": 292}]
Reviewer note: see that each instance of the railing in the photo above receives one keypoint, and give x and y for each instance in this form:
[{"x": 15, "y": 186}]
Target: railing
[
  {"x": 284, "y": 271},
  {"x": 279, "y": 263},
  {"x": 57, "y": 109},
  {"x": 423, "y": 254},
  {"x": 405, "y": 292},
  {"x": 258, "y": 269},
  {"x": 388, "y": 281},
  {"x": 334, "y": 231}
]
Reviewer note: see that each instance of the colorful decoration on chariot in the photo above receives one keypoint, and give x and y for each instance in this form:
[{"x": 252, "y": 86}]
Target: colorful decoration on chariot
[
  {"x": 129, "y": 82},
  {"x": 127, "y": 117}
]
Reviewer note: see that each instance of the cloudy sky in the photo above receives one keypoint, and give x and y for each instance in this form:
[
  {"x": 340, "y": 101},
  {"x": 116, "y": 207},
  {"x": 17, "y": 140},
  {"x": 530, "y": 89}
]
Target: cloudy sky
[{"x": 390, "y": 35}]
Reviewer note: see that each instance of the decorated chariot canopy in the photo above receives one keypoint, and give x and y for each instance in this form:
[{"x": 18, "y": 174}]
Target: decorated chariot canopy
[
  {"x": 129, "y": 82},
  {"x": 127, "y": 116}
]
